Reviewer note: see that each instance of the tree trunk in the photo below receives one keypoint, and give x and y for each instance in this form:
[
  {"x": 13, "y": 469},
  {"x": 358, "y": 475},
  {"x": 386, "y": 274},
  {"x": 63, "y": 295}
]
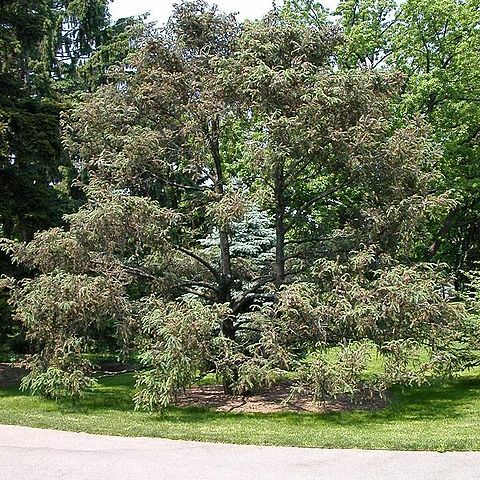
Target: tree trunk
[
  {"x": 229, "y": 380},
  {"x": 26, "y": 69},
  {"x": 279, "y": 225},
  {"x": 225, "y": 283},
  {"x": 447, "y": 225},
  {"x": 225, "y": 260}
]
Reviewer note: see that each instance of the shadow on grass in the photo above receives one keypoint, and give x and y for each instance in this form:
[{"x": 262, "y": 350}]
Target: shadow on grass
[
  {"x": 12, "y": 392},
  {"x": 111, "y": 393},
  {"x": 455, "y": 400}
]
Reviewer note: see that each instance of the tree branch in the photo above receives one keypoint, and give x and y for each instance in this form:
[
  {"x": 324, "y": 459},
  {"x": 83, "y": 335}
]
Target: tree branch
[
  {"x": 324, "y": 194},
  {"x": 209, "y": 286},
  {"x": 241, "y": 302},
  {"x": 199, "y": 294},
  {"x": 138, "y": 271},
  {"x": 199, "y": 259}
]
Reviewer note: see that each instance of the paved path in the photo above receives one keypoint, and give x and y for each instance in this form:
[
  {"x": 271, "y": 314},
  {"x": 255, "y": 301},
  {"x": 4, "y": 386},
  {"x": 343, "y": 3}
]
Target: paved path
[{"x": 34, "y": 454}]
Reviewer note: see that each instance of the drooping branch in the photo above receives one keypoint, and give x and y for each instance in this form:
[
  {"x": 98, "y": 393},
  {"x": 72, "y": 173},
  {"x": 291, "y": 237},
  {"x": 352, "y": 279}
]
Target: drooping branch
[
  {"x": 194, "y": 283},
  {"x": 324, "y": 194},
  {"x": 139, "y": 272},
  {"x": 245, "y": 298},
  {"x": 199, "y": 294},
  {"x": 201, "y": 260}
]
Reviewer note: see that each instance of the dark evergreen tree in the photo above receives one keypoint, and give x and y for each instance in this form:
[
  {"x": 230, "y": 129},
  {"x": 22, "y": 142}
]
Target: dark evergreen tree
[{"x": 44, "y": 50}]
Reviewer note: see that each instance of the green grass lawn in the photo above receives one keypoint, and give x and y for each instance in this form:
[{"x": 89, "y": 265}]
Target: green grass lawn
[{"x": 431, "y": 418}]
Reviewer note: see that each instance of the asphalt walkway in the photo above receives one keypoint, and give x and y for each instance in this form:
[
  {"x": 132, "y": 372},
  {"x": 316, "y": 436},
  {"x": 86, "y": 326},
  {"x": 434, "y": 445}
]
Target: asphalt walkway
[{"x": 34, "y": 454}]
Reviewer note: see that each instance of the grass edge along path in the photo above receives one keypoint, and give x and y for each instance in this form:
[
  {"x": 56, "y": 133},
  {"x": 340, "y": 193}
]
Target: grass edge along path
[{"x": 437, "y": 417}]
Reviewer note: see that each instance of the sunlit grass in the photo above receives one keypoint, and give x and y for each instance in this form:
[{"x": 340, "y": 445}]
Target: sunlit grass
[{"x": 439, "y": 417}]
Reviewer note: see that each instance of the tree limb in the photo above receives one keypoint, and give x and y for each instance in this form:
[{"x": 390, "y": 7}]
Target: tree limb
[{"x": 199, "y": 259}]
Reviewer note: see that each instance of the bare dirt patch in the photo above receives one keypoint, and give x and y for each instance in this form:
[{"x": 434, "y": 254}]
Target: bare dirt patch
[
  {"x": 11, "y": 374},
  {"x": 272, "y": 401}
]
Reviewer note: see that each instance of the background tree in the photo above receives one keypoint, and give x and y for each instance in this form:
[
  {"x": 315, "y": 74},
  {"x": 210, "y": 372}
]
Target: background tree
[
  {"x": 369, "y": 27},
  {"x": 42, "y": 46},
  {"x": 437, "y": 48},
  {"x": 434, "y": 45}
]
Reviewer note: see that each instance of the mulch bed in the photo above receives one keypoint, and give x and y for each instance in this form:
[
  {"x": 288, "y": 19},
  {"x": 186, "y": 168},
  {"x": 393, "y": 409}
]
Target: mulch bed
[
  {"x": 272, "y": 401},
  {"x": 212, "y": 397}
]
